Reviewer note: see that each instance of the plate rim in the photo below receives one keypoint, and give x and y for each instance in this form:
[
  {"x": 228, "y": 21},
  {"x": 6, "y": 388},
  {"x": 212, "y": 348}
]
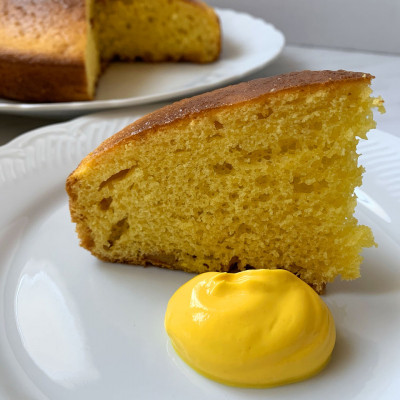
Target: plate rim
[{"x": 23, "y": 145}]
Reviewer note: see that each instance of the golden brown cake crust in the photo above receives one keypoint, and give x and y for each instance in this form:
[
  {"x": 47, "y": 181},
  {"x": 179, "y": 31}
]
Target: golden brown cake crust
[
  {"x": 40, "y": 81},
  {"x": 42, "y": 50},
  {"x": 226, "y": 97}
]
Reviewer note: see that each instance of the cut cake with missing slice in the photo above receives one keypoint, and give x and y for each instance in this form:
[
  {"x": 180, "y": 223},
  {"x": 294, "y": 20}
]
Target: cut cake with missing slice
[
  {"x": 53, "y": 50},
  {"x": 255, "y": 175}
]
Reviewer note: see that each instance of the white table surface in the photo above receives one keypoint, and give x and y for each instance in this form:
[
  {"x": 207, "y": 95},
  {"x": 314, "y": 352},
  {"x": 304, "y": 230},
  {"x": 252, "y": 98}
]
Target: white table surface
[{"x": 385, "y": 67}]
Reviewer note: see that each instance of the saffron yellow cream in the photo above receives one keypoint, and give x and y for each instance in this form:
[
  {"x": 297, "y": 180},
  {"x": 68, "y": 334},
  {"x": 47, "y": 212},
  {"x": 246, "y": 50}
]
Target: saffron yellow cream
[{"x": 257, "y": 328}]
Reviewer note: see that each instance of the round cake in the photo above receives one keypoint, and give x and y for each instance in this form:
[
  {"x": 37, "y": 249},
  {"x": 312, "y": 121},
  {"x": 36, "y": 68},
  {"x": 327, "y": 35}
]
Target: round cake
[{"x": 52, "y": 51}]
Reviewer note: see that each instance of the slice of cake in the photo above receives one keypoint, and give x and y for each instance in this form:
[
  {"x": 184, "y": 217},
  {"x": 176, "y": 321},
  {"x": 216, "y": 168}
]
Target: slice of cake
[
  {"x": 255, "y": 175},
  {"x": 52, "y": 50}
]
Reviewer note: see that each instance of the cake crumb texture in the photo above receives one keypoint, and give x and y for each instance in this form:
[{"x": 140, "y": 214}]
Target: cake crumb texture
[{"x": 264, "y": 180}]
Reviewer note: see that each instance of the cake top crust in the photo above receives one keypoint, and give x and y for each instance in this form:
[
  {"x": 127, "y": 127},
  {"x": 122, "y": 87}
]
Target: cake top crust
[
  {"x": 42, "y": 30},
  {"x": 228, "y": 96}
]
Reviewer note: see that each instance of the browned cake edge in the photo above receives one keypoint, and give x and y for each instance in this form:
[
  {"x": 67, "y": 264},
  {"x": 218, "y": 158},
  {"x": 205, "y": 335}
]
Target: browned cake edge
[
  {"x": 226, "y": 97},
  {"x": 51, "y": 69},
  {"x": 41, "y": 80}
]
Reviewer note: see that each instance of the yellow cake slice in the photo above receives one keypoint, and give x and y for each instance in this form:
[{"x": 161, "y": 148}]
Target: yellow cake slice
[
  {"x": 52, "y": 50},
  {"x": 255, "y": 175}
]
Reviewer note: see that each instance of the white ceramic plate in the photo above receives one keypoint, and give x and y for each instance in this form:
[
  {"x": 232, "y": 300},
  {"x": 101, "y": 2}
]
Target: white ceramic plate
[
  {"x": 248, "y": 45},
  {"x": 73, "y": 327}
]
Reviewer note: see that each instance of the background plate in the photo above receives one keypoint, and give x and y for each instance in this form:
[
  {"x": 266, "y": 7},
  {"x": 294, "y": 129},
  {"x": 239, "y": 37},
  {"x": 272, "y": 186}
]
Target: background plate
[
  {"x": 73, "y": 327},
  {"x": 248, "y": 44}
]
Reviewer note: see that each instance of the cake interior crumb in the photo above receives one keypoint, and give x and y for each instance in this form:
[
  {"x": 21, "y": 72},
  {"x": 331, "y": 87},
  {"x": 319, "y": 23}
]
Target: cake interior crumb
[{"x": 265, "y": 185}]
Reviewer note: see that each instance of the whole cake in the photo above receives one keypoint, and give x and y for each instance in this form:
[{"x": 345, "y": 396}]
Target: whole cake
[
  {"x": 255, "y": 175},
  {"x": 52, "y": 50}
]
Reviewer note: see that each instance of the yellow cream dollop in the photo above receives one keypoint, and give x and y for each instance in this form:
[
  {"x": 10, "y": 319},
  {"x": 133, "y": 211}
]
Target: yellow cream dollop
[{"x": 257, "y": 328}]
